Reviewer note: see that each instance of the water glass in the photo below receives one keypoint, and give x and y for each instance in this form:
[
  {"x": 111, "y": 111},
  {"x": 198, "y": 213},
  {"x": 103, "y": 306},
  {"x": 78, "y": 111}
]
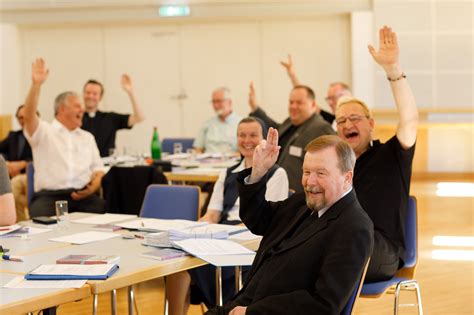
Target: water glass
[
  {"x": 177, "y": 148},
  {"x": 62, "y": 213}
]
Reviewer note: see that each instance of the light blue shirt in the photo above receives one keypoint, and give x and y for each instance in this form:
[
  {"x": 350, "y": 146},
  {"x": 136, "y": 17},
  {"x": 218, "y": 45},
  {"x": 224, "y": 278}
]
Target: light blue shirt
[{"x": 218, "y": 136}]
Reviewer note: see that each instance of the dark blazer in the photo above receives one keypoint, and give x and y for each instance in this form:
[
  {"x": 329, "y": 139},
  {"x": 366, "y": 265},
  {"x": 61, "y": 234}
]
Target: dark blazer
[
  {"x": 291, "y": 157},
  {"x": 313, "y": 272},
  {"x": 9, "y": 147}
]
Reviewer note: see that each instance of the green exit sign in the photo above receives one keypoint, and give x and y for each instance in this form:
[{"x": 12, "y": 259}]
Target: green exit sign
[{"x": 174, "y": 10}]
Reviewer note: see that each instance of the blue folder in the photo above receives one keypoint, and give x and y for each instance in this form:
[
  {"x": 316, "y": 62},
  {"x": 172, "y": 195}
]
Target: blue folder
[{"x": 72, "y": 277}]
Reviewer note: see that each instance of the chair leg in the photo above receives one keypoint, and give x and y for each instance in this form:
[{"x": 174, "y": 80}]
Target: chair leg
[
  {"x": 131, "y": 300},
  {"x": 408, "y": 285},
  {"x": 113, "y": 301},
  {"x": 165, "y": 302}
]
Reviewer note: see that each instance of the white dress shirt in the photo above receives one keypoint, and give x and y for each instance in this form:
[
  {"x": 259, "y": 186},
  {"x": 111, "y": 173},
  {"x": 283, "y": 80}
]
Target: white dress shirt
[
  {"x": 277, "y": 189},
  {"x": 63, "y": 159}
]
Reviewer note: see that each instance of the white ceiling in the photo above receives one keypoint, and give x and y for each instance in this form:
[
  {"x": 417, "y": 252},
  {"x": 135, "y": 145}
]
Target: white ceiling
[{"x": 80, "y": 11}]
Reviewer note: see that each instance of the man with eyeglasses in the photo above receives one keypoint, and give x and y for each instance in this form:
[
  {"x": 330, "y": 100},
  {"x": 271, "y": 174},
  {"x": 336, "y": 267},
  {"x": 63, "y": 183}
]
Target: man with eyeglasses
[
  {"x": 218, "y": 135},
  {"x": 17, "y": 153},
  {"x": 383, "y": 170}
]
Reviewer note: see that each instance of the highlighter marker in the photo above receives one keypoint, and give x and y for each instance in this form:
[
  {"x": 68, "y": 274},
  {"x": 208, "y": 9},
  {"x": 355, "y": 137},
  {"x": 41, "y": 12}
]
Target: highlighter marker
[{"x": 12, "y": 258}]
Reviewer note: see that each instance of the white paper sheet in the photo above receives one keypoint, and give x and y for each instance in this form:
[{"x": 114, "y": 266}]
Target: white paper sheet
[
  {"x": 159, "y": 224},
  {"x": 105, "y": 218},
  {"x": 22, "y": 283},
  {"x": 244, "y": 236},
  {"x": 85, "y": 237},
  {"x": 203, "y": 247},
  {"x": 36, "y": 230}
]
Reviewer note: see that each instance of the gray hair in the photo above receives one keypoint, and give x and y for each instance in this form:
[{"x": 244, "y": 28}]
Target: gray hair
[
  {"x": 61, "y": 99},
  {"x": 225, "y": 90}
]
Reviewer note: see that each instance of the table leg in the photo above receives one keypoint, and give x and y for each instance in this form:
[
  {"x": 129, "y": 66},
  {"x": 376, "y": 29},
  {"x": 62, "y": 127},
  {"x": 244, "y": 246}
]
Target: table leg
[
  {"x": 219, "y": 301},
  {"x": 238, "y": 278},
  {"x": 113, "y": 301},
  {"x": 131, "y": 299},
  {"x": 95, "y": 299}
]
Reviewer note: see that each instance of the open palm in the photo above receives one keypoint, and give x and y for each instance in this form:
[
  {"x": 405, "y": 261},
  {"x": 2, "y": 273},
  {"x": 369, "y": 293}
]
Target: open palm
[
  {"x": 39, "y": 72},
  {"x": 388, "y": 53}
]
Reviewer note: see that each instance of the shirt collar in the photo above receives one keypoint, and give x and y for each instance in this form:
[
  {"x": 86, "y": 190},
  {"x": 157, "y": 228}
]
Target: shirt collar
[
  {"x": 59, "y": 126},
  {"x": 239, "y": 168},
  {"x": 322, "y": 211},
  {"x": 228, "y": 118}
]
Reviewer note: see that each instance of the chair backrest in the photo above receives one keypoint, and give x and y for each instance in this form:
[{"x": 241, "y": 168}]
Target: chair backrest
[
  {"x": 347, "y": 310},
  {"x": 411, "y": 240},
  {"x": 167, "y": 144},
  {"x": 171, "y": 202},
  {"x": 30, "y": 182}
]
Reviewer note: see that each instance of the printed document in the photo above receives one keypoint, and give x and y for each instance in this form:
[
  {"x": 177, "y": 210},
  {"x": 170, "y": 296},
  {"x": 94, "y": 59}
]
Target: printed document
[{"x": 85, "y": 237}]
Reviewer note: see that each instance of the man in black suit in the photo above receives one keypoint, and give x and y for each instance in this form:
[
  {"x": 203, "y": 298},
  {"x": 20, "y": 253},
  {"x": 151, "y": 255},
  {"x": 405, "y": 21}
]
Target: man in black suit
[
  {"x": 17, "y": 153},
  {"x": 315, "y": 244}
]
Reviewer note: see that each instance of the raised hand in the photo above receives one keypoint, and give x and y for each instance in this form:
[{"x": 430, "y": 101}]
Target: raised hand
[
  {"x": 388, "y": 55},
  {"x": 252, "y": 97},
  {"x": 39, "y": 72},
  {"x": 265, "y": 155},
  {"x": 288, "y": 64},
  {"x": 126, "y": 83}
]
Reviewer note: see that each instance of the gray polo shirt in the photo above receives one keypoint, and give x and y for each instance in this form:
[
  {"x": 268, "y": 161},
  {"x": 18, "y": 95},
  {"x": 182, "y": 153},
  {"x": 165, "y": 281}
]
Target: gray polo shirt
[{"x": 5, "y": 186}]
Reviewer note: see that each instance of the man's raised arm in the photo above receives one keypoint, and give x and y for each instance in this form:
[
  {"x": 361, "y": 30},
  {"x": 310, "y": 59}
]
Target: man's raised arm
[
  {"x": 137, "y": 115},
  {"x": 388, "y": 58},
  {"x": 290, "y": 70},
  {"x": 39, "y": 74}
]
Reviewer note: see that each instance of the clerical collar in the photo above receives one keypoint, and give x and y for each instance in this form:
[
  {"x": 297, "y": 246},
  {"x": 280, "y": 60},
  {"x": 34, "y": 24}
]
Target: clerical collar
[{"x": 91, "y": 114}]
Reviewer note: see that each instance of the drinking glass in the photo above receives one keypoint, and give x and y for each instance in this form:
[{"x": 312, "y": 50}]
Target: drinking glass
[{"x": 62, "y": 214}]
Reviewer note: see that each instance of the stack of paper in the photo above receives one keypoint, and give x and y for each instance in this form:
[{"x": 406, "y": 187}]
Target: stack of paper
[
  {"x": 156, "y": 225},
  {"x": 85, "y": 237},
  {"x": 106, "y": 218}
]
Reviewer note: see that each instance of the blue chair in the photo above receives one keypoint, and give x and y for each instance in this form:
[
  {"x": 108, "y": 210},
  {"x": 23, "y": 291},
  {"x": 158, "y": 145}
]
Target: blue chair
[
  {"x": 30, "y": 182},
  {"x": 404, "y": 279},
  {"x": 347, "y": 310},
  {"x": 168, "y": 143},
  {"x": 171, "y": 202}
]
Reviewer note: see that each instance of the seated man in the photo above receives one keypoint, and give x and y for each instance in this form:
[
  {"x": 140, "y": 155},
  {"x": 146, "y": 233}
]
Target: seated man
[
  {"x": 335, "y": 91},
  {"x": 7, "y": 204},
  {"x": 104, "y": 125},
  {"x": 17, "y": 153},
  {"x": 218, "y": 133},
  {"x": 383, "y": 170},
  {"x": 224, "y": 209},
  {"x": 303, "y": 125},
  {"x": 67, "y": 161},
  {"x": 315, "y": 244}
]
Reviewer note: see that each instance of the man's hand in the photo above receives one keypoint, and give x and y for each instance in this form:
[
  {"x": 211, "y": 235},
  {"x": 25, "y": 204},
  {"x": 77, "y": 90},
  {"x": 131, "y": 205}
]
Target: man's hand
[
  {"x": 126, "y": 83},
  {"x": 83, "y": 194},
  {"x": 238, "y": 310},
  {"x": 265, "y": 156},
  {"x": 288, "y": 65},
  {"x": 39, "y": 72},
  {"x": 388, "y": 55},
  {"x": 15, "y": 167},
  {"x": 252, "y": 97}
]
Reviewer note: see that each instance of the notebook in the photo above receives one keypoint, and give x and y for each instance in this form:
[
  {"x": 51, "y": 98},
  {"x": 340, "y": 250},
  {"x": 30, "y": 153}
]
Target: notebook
[
  {"x": 72, "y": 272},
  {"x": 89, "y": 259}
]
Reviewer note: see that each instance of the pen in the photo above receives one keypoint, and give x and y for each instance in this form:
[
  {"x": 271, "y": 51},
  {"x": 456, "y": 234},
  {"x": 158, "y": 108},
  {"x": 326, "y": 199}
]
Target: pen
[{"x": 12, "y": 258}]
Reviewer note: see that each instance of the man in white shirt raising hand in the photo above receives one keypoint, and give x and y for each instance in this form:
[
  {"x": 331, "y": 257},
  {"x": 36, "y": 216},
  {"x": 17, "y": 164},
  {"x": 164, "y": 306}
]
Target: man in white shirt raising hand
[{"x": 67, "y": 161}]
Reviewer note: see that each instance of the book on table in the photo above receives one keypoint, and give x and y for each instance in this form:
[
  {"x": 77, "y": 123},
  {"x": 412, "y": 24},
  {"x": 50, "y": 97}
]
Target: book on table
[
  {"x": 72, "y": 272},
  {"x": 164, "y": 254},
  {"x": 89, "y": 259}
]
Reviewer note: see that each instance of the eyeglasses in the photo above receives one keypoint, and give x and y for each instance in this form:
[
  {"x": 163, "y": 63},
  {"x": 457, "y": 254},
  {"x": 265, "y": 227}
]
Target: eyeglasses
[{"x": 352, "y": 118}]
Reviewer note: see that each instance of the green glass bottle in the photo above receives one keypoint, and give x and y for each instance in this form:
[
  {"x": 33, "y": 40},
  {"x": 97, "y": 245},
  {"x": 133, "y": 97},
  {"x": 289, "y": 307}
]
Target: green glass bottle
[{"x": 155, "y": 145}]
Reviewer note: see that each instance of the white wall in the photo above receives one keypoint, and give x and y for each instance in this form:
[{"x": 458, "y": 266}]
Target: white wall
[{"x": 193, "y": 58}]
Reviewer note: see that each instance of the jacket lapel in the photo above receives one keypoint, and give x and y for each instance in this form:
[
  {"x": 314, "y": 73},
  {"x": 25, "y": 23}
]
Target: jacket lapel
[{"x": 321, "y": 223}]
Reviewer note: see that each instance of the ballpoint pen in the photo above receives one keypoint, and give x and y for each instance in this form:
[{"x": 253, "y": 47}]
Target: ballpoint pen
[{"x": 12, "y": 258}]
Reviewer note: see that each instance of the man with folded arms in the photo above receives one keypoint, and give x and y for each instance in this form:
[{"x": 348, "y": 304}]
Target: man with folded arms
[
  {"x": 315, "y": 244},
  {"x": 66, "y": 158}
]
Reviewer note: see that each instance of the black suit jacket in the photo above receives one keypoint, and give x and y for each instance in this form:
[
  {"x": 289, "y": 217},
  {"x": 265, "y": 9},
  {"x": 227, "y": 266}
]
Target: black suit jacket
[
  {"x": 9, "y": 147},
  {"x": 315, "y": 271}
]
